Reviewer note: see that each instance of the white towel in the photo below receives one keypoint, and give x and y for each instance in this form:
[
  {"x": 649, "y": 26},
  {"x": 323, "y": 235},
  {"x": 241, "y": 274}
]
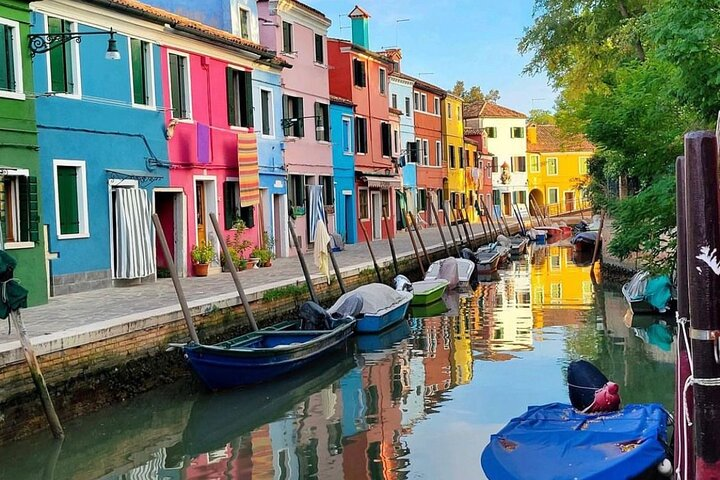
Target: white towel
[{"x": 320, "y": 253}]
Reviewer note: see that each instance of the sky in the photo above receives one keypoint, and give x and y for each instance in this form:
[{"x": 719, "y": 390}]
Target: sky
[{"x": 449, "y": 40}]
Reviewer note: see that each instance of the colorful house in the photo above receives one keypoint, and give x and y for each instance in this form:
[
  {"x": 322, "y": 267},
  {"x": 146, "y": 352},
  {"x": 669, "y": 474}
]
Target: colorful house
[
  {"x": 299, "y": 34},
  {"x": 557, "y": 168},
  {"x": 342, "y": 138},
  {"x": 472, "y": 178},
  {"x": 505, "y": 130},
  {"x": 20, "y": 194},
  {"x": 483, "y": 176},
  {"x": 101, "y": 131},
  {"x": 360, "y": 74},
  {"x": 453, "y": 141}
]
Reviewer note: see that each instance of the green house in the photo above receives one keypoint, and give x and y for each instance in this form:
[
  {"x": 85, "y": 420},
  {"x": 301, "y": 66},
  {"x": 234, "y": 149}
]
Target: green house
[{"x": 22, "y": 233}]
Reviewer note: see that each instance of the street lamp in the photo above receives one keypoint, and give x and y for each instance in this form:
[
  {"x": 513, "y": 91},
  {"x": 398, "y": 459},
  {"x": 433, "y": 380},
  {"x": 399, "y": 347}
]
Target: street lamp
[{"x": 44, "y": 42}]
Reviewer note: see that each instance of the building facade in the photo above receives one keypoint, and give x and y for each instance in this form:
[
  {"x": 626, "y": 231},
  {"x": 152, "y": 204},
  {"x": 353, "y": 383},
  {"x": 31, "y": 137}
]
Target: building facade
[
  {"x": 453, "y": 140},
  {"x": 483, "y": 176},
  {"x": 342, "y": 120}
]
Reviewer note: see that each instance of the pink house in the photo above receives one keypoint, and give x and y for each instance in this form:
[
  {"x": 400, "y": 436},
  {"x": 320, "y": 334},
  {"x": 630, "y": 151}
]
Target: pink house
[
  {"x": 299, "y": 34},
  {"x": 213, "y": 163}
]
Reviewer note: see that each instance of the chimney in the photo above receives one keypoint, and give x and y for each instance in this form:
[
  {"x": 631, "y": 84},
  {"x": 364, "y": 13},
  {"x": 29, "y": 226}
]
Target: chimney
[
  {"x": 532, "y": 134},
  {"x": 359, "y": 20},
  {"x": 394, "y": 55}
]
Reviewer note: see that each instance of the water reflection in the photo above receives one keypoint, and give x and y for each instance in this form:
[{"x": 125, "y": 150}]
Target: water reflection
[{"x": 420, "y": 400}]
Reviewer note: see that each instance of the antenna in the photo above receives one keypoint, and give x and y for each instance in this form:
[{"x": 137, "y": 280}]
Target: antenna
[{"x": 340, "y": 24}]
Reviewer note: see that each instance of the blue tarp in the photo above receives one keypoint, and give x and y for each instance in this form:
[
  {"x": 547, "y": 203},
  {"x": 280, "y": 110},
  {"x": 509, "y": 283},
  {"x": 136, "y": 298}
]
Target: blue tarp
[
  {"x": 556, "y": 442},
  {"x": 657, "y": 292}
]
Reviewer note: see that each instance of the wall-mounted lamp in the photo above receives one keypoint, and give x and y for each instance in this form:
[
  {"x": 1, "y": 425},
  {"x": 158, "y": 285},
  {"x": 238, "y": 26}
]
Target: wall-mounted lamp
[
  {"x": 44, "y": 42},
  {"x": 170, "y": 129}
]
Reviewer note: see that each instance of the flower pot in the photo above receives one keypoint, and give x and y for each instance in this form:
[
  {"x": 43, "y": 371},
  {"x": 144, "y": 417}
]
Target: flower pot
[
  {"x": 200, "y": 269},
  {"x": 251, "y": 262}
]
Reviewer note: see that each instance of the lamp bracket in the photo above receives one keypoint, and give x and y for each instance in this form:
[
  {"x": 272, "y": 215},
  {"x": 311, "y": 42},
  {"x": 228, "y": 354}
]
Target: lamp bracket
[{"x": 44, "y": 42}]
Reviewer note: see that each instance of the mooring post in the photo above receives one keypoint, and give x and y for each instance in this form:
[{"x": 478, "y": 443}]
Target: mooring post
[
  {"x": 598, "y": 242},
  {"x": 466, "y": 219},
  {"x": 437, "y": 221},
  {"x": 303, "y": 265},
  {"x": 372, "y": 254},
  {"x": 233, "y": 272},
  {"x": 390, "y": 241},
  {"x": 684, "y": 457},
  {"x": 490, "y": 219},
  {"x": 417, "y": 232},
  {"x": 449, "y": 224},
  {"x": 414, "y": 245},
  {"x": 703, "y": 240},
  {"x": 336, "y": 267}
]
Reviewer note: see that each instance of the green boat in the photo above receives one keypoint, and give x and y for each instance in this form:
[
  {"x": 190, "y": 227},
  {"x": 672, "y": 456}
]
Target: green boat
[
  {"x": 428, "y": 291},
  {"x": 434, "y": 309}
]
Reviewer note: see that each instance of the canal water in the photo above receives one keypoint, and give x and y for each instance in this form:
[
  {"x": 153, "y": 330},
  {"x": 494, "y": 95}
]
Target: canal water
[{"x": 418, "y": 402}]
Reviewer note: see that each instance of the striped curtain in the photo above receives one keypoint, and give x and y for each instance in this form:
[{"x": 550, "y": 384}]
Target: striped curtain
[
  {"x": 317, "y": 209},
  {"x": 249, "y": 178},
  {"x": 133, "y": 234}
]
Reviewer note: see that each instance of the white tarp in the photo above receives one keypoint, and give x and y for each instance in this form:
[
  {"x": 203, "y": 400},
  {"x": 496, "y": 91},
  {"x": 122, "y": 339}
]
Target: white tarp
[
  {"x": 377, "y": 298},
  {"x": 133, "y": 237}
]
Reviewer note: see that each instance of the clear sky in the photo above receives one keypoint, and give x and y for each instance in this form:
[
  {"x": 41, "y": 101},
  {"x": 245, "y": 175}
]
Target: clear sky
[{"x": 470, "y": 40}]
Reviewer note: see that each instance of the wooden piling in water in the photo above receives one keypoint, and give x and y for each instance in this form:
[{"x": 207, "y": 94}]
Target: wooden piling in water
[
  {"x": 598, "y": 242},
  {"x": 489, "y": 219},
  {"x": 303, "y": 265},
  {"x": 439, "y": 226},
  {"x": 336, "y": 267},
  {"x": 414, "y": 245},
  {"x": 417, "y": 232},
  {"x": 466, "y": 219},
  {"x": 703, "y": 238},
  {"x": 392, "y": 244},
  {"x": 372, "y": 254},
  {"x": 449, "y": 224}
]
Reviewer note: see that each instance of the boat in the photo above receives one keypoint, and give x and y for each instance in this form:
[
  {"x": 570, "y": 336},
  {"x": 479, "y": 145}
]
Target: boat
[
  {"x": 465, "y": 270},
  {"x": 518, "y": 245},
  {"x": 645, "y": 294},
  {"x": 383, "y": 340},
  {"x": 550, "y": 230},
  {"x": 556, "y": 441},
  {"x": 382, "y": 306},
  {"x": 430, "y": 310},
  {"x": 428, "y": 291},
  {"x": 486, "y": 261},
  {"x": 585, "y": 241},
  {"x": 265, "y": 354}
]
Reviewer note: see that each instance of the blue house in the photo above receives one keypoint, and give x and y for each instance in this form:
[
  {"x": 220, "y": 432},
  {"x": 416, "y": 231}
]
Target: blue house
[
  {"x": 101, "y": 133},
  {"x": 341, "y": 136},
  {"x": 401, "y": 94}
]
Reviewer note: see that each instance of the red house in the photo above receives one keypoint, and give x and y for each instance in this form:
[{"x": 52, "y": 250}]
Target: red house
[{"x": 484, "y": 184}]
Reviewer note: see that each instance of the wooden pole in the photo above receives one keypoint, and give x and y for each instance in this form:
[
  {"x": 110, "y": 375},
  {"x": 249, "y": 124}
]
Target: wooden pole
[
  {"x": 490, "y": 219},
  {"x": 442, "y": 234},
  {"x": 453, "y": 219},
  {"x": 336, "y": 267},
  {"x": 372, "y": 254},
  {"x": 485, "y": 237},
  {"x": 422, "y": 244},
  {"x": 233, "y": 272},
  {"x": 160, "y": 233},
  {"x": 596, "y": 250},
  {"x": 684, "y": 457},
  {"x": 414, "y": 245},
  {"x": 390, "y": 241},
  {"x": 37, "y": 375},
  {"x": 703, "y": 237},
  {"x": 507, "y": 229},
  {"x": 303, "y": 265},
  {"x": 466, "y": 218},
  {"x": 518, "y": 216},
  {"x": 464, "y": 226},
  {"x": 447, "y": 220}
]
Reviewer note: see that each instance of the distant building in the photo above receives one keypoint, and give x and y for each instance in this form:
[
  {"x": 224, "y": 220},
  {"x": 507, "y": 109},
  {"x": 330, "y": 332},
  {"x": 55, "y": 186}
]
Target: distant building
[{"x": 342, "y": 119}]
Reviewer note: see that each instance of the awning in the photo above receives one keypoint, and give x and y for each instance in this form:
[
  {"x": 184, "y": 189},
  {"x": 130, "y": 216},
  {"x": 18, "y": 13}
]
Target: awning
[
  {"x": 381, "y": 181},
  {"x": 143, "y": 178}
]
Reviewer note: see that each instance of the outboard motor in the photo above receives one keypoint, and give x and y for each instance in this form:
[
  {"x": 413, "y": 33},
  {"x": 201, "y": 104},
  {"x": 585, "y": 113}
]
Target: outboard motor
[
  {"x": 314, "y": 317},
  {"x": 403, "y": 284},
  {"x": 468, "y": 254},
  {"x": 590, "y": 390},
  {"x": 350, "y": 307}
]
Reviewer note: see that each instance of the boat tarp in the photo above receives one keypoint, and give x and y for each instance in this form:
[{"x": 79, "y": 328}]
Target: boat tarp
[
  {"x": 427, "y": 286},
  {"x": 377, "y": 299},
  {"x": 557, "y": 442},
  {"x": 445, "y": 269},
  {"x": 654, "y": 290}
]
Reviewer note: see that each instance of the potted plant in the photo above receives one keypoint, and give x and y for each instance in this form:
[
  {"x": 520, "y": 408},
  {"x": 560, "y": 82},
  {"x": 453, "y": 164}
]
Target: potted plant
[
  {"x": 201, "y": 256},
  {"x": 263, "y": 256},
  {"x": 237, "y": 247}
]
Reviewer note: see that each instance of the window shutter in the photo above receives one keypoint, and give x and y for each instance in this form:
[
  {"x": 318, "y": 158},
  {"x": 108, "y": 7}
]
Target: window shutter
[
  {"x": 286, "y": 113},
  {"x": 232, "y": 112},
  {"x": 175, "y": 88},
  {"x": 68, "y": 200},
  {"x": 3, "y": 216},
  {"x": 138, "y": 67},
  {"x": 57, "y": 59},
  {"x": 7, "y": 67},
  {"x": 33, "y": 209},
  {"x": 248, "y": 105},
  {"x": 301, "y": 120},
  {"x": 318, "y": 122},
  {"x": 229, "y": 204}
]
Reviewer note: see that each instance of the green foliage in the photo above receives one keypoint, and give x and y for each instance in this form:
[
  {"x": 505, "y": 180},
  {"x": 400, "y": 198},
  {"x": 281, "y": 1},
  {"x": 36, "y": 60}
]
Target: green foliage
[
  {"x": 203, "y": 253},
  {"x": 541, "y": 117},
  {"x": 475, "y": 94},
  {"x": 295, "y": 291},
  {"x": 263, "y": 255}
]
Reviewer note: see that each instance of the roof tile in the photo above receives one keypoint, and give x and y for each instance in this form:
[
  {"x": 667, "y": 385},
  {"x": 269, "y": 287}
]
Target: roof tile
[
  {"x": 551, "y": 139},
  {"x": 489, "y": 110}
]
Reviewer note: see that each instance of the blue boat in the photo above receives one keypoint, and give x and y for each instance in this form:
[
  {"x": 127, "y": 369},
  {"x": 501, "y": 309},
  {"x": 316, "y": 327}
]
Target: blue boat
[
  {"x": 383, "y": 340},
  {"x": 557, "y": 442},
  {"x": 382, "y": 306},
  {"x": 263, "y": 355}
]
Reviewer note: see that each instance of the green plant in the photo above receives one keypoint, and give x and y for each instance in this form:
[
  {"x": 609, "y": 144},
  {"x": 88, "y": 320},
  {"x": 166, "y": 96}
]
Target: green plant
[
  {"x": 269, "y": 242},
  {"x": 203, "y": 253},
  {"x": 294, "y": 291},
  {"x": 263, "y": 255}
]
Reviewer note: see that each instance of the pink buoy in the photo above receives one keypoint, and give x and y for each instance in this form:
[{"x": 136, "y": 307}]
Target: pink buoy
[{"x": 607, "y": 398}]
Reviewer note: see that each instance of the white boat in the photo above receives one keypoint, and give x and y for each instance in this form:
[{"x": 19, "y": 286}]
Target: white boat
[{"x": 465, "y": 270}]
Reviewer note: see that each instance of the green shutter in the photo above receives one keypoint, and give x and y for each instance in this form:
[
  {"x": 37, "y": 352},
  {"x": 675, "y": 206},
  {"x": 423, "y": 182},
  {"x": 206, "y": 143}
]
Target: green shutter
[
  {"x": 248, "y": 100},
  {"x": 28, "y": 209},
  {"x": 33, "y": 209},
  {"x": 7, "y": 61},
  {"x": 58, "y": 81},
  {"x": 229, "y": 204},
  {"x": 139, "y": 75},
  {"x": 265, "y": 106},
  {"x": 175, "y": 87},
  {"x": 68, "y": 200},
  {"x": 300, "y": 115},
  {"x": 232, "y": 112}
]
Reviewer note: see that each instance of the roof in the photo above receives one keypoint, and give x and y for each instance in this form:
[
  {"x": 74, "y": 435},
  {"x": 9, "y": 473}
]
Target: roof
[
  {"x": 551, "y": 139},
  {"x": 421, "y": 84},
  {"x": 489, "y": 110},
  {"x": 184, "y": 24},
  {"x": 474, "y": 132},
  {"x": 377, "y": 56},
  {"x": 341, "y": 101},
  {"x": 358, "y": 12},
  {"x": 471, "y": 141},
  {"x": 307, "y": 8}
]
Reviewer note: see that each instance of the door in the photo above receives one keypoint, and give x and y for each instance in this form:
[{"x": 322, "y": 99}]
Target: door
[
  {"x": 569, "y": 201},
  {"x": 506, "y": 204},
  {"x": 376, "y": 215},
  {"x": 200, "y": 212}
]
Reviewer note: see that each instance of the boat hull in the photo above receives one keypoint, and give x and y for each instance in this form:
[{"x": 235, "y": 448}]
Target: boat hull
[
  {"x": 378, "y": 323},
  {"x": 429, "y": 296},
  {"x": 519, "y": 248}
]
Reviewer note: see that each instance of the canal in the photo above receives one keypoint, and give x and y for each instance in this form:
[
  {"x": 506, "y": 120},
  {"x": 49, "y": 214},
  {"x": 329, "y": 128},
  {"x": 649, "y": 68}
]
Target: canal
[{"x": 419, "y": 401}]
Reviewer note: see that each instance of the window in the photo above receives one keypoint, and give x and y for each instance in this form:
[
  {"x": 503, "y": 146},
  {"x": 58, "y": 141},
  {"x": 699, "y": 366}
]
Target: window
[
  {"x": 491, "y": 132},
  {"x": 495, "y": 164},
  {"x": 385, "y": 138},
  {"x": 476, "y": 161},
  {"x": 451, "y": 150},
  {"x": 319, "y": 49},
  {"x": 266, "y": 111},
  {"x": 552, "y": 166},
  {"x": 416, "y": 100},
  {"x": 534, "y": 163},
  {"x": 360, "y": 135},
  {"x": 438, "y": 154},
  {"x": 234, "y": 212},
  {"x": 244, "y": 18},
  {"x": 347, "y": 135},
  {"x": 394, "y": 100},
  {"x": 359, "y": 77},
  {"x": 418, "y": 149},
  {"x": 518, "y": 164},
  {"x": 396, "y": 141},
  {"x": 459, "y": 112},
  {"x": 296, "y": 190},
  {"x": 436, "y": 103},
  {"x": 293, "y": 116},
  {"x": 19, "y": 207},
  {"x": 583, "y": 165},
  {"x": 412, "y": 152},
  {"x": 11, "y": 82},
  {"x": 327, "y": 185},
  {"x": 364, "y": 201},
  {"x": 426, "y": 152},
  {"x": 421, "y": 200},
  {"x": 449, "y": 110},
  {"x": 423, "y": 102},
  {"x": 239, "y": 95},
  {"x": 287, "y": 31},
  {"x": 179, "y": 86},
  {"x": 63, "y": 59},
  {"x": 521, "y": 197},
  {"x": 461, "y": 157},
  {"x": 385, "y": 199},
  {"x": 383, "y": 81},
  {"x": 517, "y": 132},
  {"x": 322, "y": 122},
  {"x": 141, "y": 71},
  {"x": 407, "y": 106},
  {"x": 70, "y": 199},
  {"x": 552, "y": 196}
]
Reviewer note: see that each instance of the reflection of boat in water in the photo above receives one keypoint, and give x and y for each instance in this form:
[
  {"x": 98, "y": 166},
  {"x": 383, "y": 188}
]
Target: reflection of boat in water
[
  {"x": 218, "y": 418},
  {"x": 430, "y": 310},
  {"x": 383, "y": 340}
]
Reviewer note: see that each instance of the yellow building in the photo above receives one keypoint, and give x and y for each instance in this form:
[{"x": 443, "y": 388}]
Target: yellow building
[
  {"x": 453, "y": 144},
  {"x": 473, "y": 181},
  {"x": 557, "y": 167}
]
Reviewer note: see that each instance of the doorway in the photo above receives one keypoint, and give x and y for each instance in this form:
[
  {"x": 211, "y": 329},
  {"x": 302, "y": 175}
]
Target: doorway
[
  {"x": 205, "y": 204},
  {"x": 200, "y": 213},
  {"x": 569, "y": 201},
  {"x": 507, "y": 201},
  {"x": 376, "y": 214},
  {"x": 170, "y": 207}
]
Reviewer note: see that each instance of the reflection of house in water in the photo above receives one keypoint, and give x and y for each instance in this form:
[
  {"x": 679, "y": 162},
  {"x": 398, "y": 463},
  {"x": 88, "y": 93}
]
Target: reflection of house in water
[
  {"x": 436, "y": 340},
  {"x": 561, "y": 290},
  {"x": 461, "y": 361}
]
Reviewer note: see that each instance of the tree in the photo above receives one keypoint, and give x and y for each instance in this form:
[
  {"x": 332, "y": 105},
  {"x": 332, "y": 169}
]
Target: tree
[
  {"x": 541, "y": 117},
  {"x": 475, "y": 94}
]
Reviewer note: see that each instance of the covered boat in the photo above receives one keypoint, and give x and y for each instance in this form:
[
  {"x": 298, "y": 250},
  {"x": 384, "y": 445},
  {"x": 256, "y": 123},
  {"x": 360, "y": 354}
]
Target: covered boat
[
  {"x": 428, "y": 291},
  {"x": 585, "y": 241},
  {"x": 438, "y": 269},
  {"x": 557, "y": 442},
  {"x": 486, "y": 261},
  {"x": 518, "y": 245},
  {"x": 382, "y": 306},
  {"x": 646, "y": 294}
]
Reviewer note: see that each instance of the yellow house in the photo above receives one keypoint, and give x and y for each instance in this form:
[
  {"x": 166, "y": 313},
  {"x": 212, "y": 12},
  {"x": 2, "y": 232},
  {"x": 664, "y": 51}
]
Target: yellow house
[
  {"x": 453, "y": 144},
  {"x": 557, "y": 167},
  {"x": 473, "y": 178}
]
